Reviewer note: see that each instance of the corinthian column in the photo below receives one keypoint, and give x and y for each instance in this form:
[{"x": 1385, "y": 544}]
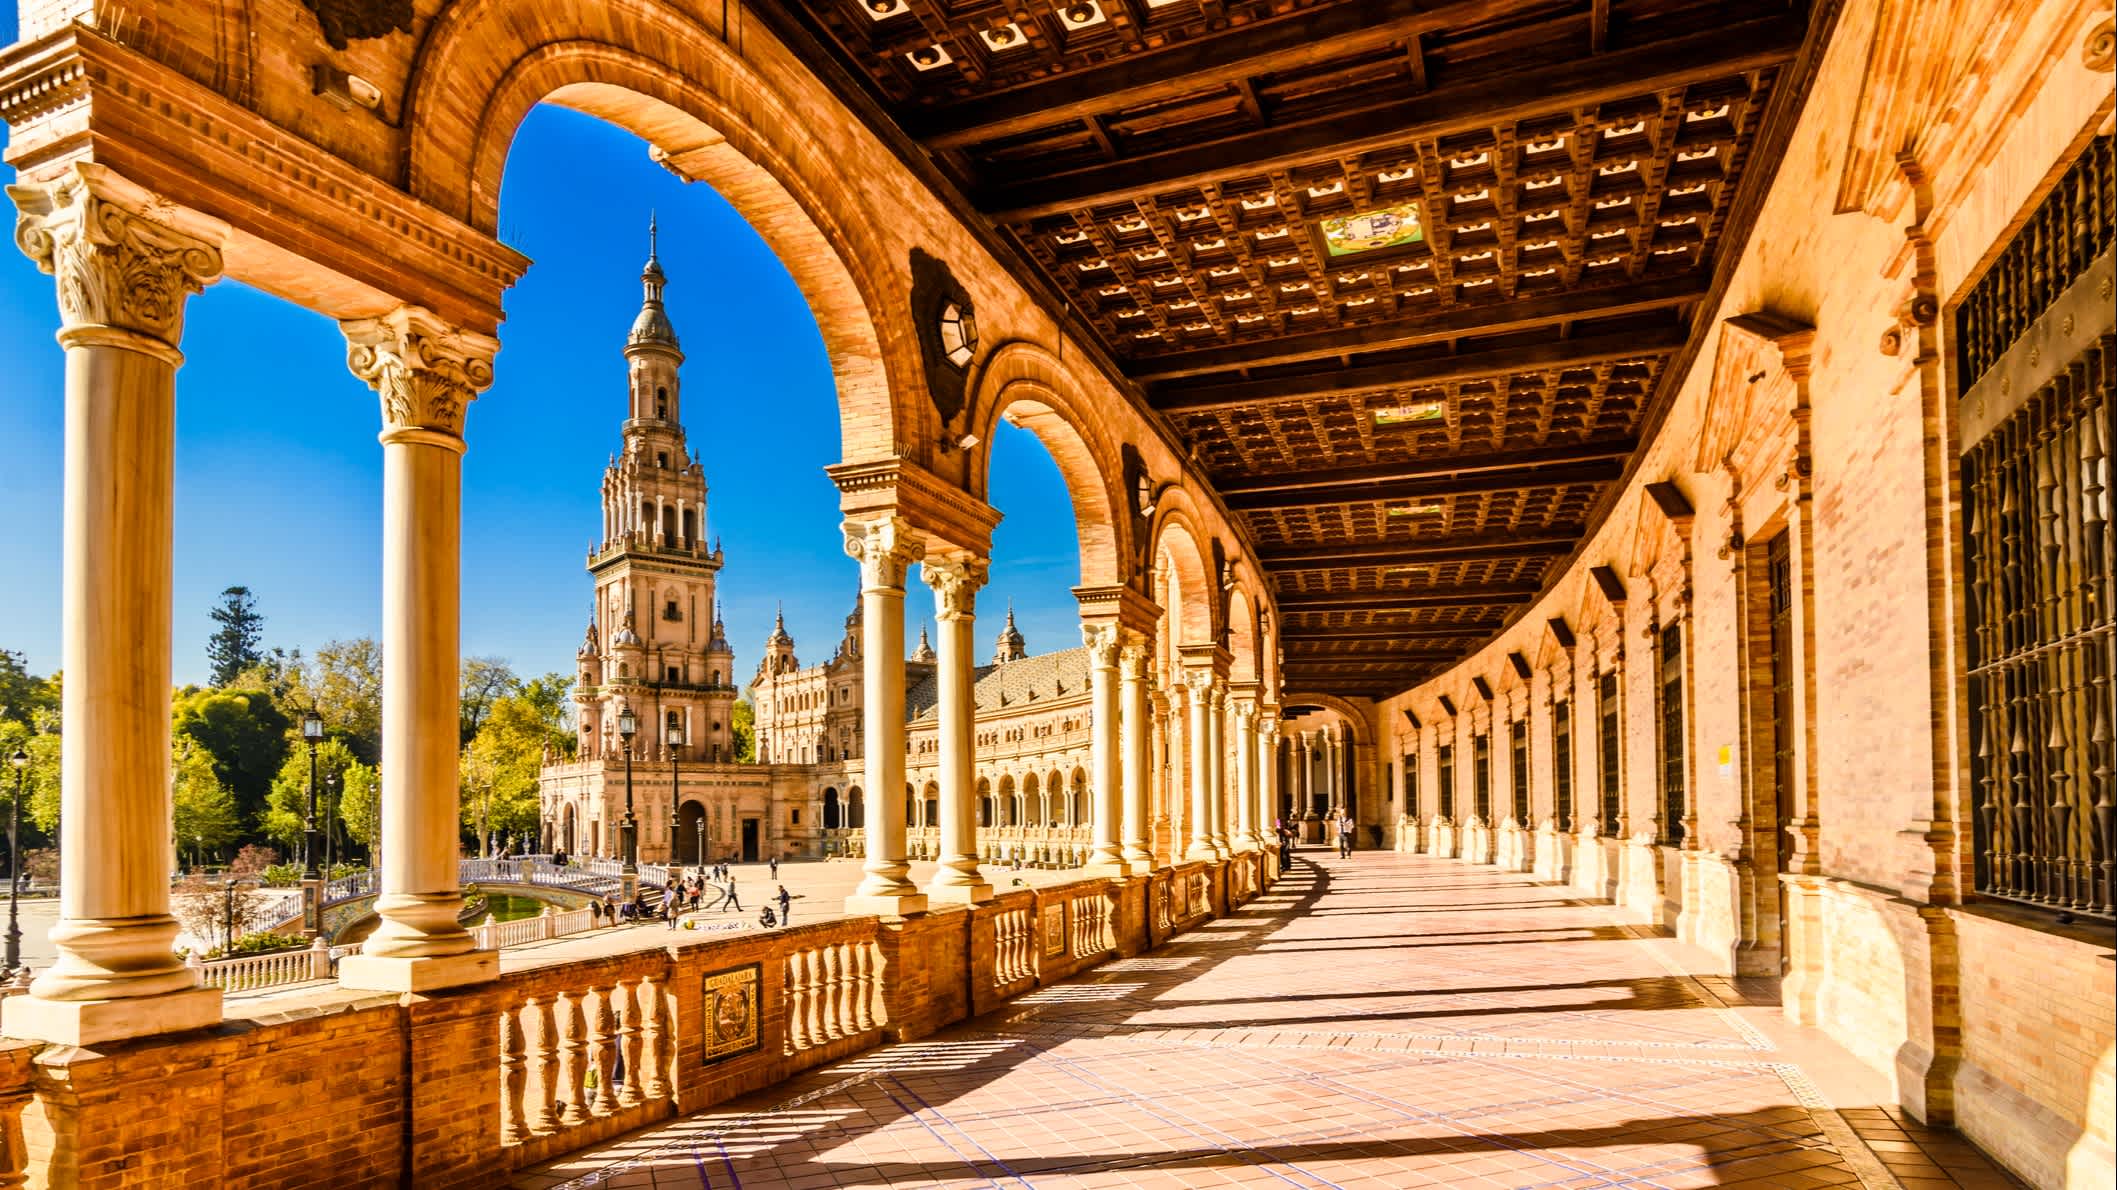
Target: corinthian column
[
  {"x": 125, "y": 262},
  {"x": 1267, "y": 767},
  {"x": 1132, "y": 699},
  {"x": 885, "y": 548},
  {"x": 1107, "y": 858},
  {"x": 1217, "y": 765},
  {"x": 426, "y": 373},
  {"x": 1199, "y": 745},
  {"x": 1244, "y": 712},
  {"x": 955, "y": 583}
]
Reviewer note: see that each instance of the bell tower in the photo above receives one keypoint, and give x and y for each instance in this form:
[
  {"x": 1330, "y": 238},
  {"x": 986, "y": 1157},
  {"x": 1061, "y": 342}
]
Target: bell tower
[{"x": 656, "y": 612}]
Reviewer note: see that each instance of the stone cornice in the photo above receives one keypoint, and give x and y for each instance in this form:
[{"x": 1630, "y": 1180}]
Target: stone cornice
[
  {"x": 305, "y": 221},
  {"x": 950, "y": 519},
  {"x": 1122, "y": 605}
]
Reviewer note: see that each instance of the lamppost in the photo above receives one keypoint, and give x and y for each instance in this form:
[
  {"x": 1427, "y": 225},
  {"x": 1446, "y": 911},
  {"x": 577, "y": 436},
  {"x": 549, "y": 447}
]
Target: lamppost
[
  {"x": 228, "y": 916},
  {"x": 312, "y": 883},
  {"x": 20, "y": 761},
  {"x": 628, "y": 725},
  {"x": 330, "y": 829},
  {"x": 676, "y": 797}
]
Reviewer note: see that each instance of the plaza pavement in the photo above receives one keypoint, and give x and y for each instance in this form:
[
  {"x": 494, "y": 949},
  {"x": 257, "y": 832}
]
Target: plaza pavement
[{"x": 1383, "y": 1021}]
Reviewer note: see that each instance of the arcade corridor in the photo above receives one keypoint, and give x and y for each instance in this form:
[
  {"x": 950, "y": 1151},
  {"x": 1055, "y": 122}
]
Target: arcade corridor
[{"x": 1385, "y": 1021}]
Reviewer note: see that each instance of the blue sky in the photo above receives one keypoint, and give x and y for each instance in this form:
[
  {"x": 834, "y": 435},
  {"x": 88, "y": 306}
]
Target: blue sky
[{"x": 278, "y": 483}]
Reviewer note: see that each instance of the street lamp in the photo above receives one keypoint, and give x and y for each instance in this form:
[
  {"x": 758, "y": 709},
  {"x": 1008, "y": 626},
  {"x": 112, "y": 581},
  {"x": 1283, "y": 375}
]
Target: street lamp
[
  {"x": 628, "y": 725},
  {"x": 312, "y": 883},
  {"x": 675, "y": 733},
  {"x": 20, "y": 760},
  {"x": 330, "y": 829}
]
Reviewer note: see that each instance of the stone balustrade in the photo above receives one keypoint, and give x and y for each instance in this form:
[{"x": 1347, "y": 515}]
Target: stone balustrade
[
  {"x": 552, "y": 923},
  {"x": 466, "y": 1084},
  {"x": 248, "y": 973}
]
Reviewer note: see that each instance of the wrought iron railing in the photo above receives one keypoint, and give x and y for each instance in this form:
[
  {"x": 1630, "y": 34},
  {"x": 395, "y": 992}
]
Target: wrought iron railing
[
  {"x": 2044, "y": 642},
  {"x": 2072, "y": 226}
]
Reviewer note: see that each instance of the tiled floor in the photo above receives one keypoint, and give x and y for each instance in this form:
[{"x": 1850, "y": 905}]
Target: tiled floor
[{"x": 1383, "y": 1021}]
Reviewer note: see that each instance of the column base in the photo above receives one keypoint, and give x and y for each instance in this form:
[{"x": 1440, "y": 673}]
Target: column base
[
  {"x": 951, "y": 894},
  {"x": 1117, "y": 868},
  {"x": 423, "y": 974},
  {"x": 89, "y": 1022},
  {"x": 887, "y": 905}
]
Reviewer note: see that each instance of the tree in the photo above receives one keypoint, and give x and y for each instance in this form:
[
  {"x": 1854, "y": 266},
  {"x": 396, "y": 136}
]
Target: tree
[
  {"x": 360, "y": 804},
  {"x": 742, "y": 729},
  {"x": 243, "y": 732},
  {"x": 343, "y": 681},
  {"x": 207, "y": 909},
  {"x": 499, "y": 769},
  {"x": 287, "y": 806},
  {"x": 234, "y": 645},
  {"x": 24, "y": 696},
  {"x": 40, "y": 809},
  {"x": 484, "y": 680},
  {"x": 205, "y": 815}
]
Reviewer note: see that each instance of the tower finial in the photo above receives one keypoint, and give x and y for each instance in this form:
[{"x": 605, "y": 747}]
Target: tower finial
[{"x": 652, "y": 235}]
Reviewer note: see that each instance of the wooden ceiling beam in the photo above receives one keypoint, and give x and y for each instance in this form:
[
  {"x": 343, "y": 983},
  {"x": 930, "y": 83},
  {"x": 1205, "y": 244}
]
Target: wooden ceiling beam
[
  {"x": 1289, "y": 634},
  {"x": 1485, "y": 595},
  {"x": 1551, "y": 455},
  {"x": 1295, "y": 42},
  {"x": 1209, "y": 394},
  {"x": 1440, "y": 549},
  {"x": 1477, "y": 104},
  {"x": 1455, "y": 322},
  {"x": 1425, "y": 488}
]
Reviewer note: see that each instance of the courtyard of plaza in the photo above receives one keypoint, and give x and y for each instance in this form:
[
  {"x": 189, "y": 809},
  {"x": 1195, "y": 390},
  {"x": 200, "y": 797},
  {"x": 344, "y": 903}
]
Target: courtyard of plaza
[{"x": 1381, "y": 593}]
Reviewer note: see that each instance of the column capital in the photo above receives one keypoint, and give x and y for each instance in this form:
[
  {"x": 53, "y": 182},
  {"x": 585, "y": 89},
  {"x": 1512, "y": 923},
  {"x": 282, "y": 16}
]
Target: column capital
[
  {"x": 885, "y": 547},
  {"x": 1201, "y": 682},
  {"x": 426, "y": 372},
  {"x": 125, "y": 258},
  {"x": 1103, "y": 645},
  {"x": 955, "y": 581},
  {"x": 1132, "y": 654}
]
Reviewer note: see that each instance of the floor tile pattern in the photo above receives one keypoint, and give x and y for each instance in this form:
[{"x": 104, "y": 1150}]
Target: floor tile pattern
[{"x": 1382, "y": 1021}]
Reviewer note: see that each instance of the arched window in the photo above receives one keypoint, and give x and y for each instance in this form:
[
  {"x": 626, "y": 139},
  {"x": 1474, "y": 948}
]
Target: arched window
[{"x": 661, "y": 406}]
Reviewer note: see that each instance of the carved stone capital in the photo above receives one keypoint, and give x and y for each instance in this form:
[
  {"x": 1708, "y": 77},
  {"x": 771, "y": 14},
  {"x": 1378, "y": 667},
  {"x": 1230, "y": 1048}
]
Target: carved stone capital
[
  {"x": 955, "y": 582},
  {"x": 1102, "y": 643},
  {"x": 426, "y": 372},
  {"x": 1199, "y": 681},
  {"x": 125, "y": 259},
  {"x": 1132, "y": 657},
  {"x": 885, "y": 548}
]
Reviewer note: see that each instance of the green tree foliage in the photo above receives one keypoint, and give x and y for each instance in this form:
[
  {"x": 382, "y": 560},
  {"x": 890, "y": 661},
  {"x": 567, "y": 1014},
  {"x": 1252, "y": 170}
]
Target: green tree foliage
[
  {"x": 360, "y": 804},
  {"x": 343, "y": 681},
  {"x": 743, "y": 730},
  {"x": 499, "y": 768},
  {"x": 205, "y": 817},
  {"x": 40, "y": 807},
  {"x": 288, "y": 804},
  {"x": 485, "y": 679},
  {"x": 234, "y": 646},
  {"x": 245, "y": 734},
  {"x": 24, "y": 696}
]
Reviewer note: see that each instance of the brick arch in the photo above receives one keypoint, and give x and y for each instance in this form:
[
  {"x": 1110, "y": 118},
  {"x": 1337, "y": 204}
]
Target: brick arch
[
  {"x": 485, "y": 63},
  {"x": 1356, "y": 724},
  {"x": 1024, "y": 382},
  {"x": 1244, "y": 641},
  {"x": 1177, "y": 537}
]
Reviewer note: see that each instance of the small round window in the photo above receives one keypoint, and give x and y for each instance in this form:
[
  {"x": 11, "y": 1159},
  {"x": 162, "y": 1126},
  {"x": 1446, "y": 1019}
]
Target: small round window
[{"x": 959, "y": 334}]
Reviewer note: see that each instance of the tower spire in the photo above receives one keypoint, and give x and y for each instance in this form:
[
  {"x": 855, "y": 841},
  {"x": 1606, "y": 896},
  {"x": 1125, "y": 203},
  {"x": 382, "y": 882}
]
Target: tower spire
[{"x": 652, "y": 326}]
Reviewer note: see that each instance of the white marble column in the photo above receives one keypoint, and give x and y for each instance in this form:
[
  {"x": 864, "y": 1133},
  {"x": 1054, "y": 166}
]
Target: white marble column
[
  {"x": 1267, "y": 768},
  {"x": 1304, "y": 774},
  {"x": 1244, "y": 712},
  {"x": 1107, "y": 856},
  {"x": 1217, "y": 766},
  {"x": 885, "y": 548},
  {"x": 1161, "y": 766},
  {"x": 955, "y": 583},
  {"x": 1198, "y": 746},
  {"x": 125, "y": 263},
  {"x": 1133, "y": 742},
  {"x": 426, "y": 374}
]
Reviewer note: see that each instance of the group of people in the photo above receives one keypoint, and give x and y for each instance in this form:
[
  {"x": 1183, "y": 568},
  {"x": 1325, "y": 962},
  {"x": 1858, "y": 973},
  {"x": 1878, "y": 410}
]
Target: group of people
[
  {"x": 689, "y": 895},
  {"x": 1338, "y": 827}
]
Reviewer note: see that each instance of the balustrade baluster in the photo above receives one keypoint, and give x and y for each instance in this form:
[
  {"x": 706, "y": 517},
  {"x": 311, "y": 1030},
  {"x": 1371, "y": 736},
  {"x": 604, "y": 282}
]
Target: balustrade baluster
[
  {"x": 573, "y": 1070},
  {"x": 819, "y": 1022},
  {"x": 654, "y": 1036},
  {"x": 833, "y": 990},
  {"x": 602, "y": 1050},
  {"x": 512, "y": 1125},
  {"x": 542, "y": 1067},
  {"x": 796, "y": 1020},
  {"x": 864, "y": 1002},
  {"x": 628, "y": 1034}
]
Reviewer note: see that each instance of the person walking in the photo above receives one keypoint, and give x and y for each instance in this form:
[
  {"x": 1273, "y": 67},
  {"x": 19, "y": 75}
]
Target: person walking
[
  {"x": 1345, "y": 836},
  {"x": 669, "y": 899},
  {"x": 786, "y": 905},
  {"x": 731, "y": 902}
]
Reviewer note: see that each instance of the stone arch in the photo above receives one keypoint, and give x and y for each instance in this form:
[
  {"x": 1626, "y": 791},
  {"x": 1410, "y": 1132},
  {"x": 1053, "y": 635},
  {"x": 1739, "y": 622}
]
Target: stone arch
[
  {"x": 1356, "y": 723},
  {"x": 855, "y": 809},
  {"x": 1025, "y": 384},
  {"x": 1243, "y": 643},
  {"x": 833, "y": 814},
  {"x": 1179, "y": 545},
  {"x": 485, "y": 63}
]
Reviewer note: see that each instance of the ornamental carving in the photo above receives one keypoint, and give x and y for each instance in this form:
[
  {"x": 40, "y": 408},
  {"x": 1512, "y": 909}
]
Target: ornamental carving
[
  {"x": 1102, "y": 643},
  {"x": 359, "y": 20},
  {"x": 955, "y": 583},
  {"x": 426, "y": 371},
  {"x": 1132, "y": 658},
  {"x": 885, "y": 549},
  {"x": 115, "y": 250}
]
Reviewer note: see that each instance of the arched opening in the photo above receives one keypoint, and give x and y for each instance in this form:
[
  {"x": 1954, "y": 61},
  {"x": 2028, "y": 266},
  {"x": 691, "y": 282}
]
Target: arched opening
[
  {"x": 855, "y": 810},
  {"x": 1032, "y": 800},
  {"x": 833, "y": 813},
  {"x": 690, "y": 833}
]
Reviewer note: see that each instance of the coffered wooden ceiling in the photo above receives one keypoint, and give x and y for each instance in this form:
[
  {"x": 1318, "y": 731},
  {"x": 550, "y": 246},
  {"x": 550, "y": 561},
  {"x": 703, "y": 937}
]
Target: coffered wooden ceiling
[{"x": 1410, "y": 279}]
